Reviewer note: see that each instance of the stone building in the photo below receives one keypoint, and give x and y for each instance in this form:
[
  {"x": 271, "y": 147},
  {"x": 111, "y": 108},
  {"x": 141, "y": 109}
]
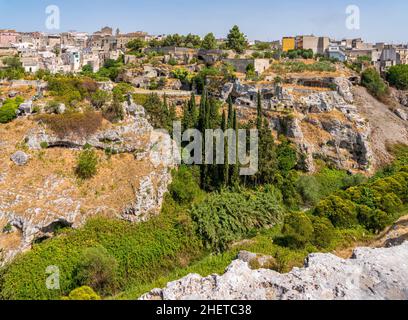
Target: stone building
[
  {"x": 7, "y": 37},
  {"x": 318, "y": 45}
]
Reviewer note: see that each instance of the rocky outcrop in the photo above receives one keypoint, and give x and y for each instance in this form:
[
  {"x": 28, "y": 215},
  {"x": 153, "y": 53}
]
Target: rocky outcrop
[
  {"x": 323, "y": 122},
  {"x": 371, "y": 274},
  {"x": 20, "y": 158},
  {"x": 134, "y": 193}
]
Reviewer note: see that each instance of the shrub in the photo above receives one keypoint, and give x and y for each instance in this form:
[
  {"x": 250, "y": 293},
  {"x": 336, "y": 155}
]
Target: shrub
[
  {"x": 100, "y": 98},
  {"x": 8, "y": 111},
  {"x": 373, "y": 220},
  {"x": 87, "y": 164},
  {"x": 227, "y": 216},
  {"x": 44, "y": 145},
  {"x": 372, "y": 80},
  {"x": 82, "y": 293},
  {"x": 342, "y": 213},
  {"x": 172, "y": 62},
  {"x": 98, "y": 270},
  {"x": 315, "y": 187},
  {"x": 397, "y": 76},
  {"x": 77, "y": 124},
  {"x": 297, "y": 230},
  {"x": 114, "y": 112},
  {"x": 185, "y": 188},
  {"x": 323, "y": 232}
]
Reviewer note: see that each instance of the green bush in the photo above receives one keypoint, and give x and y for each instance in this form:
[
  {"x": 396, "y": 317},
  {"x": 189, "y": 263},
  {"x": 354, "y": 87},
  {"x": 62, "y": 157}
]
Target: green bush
[
  {"x": 323, "y": 232},
  {"x": 185, "y": 188},
  {"x": 98, "y": 270},
  {"x": 82, "y": 293},
  {"x": 341, "y": 212},
  {"x": 87, "y": 164},
  {"x": 397, "y": 76},
  {"x": 313, "y": 188},
  {"x": 297, "y": 230},
  {"x": 372, "y": 80},
  {"x": 373, "y": 220},
  {"x": 8, "y": 111},
  {"x": 143, "y": 252},
  {"x": 228, "y": 216}
]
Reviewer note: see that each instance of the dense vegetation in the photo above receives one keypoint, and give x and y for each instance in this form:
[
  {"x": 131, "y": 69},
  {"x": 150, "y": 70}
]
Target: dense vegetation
[
  {"x": 397, "y": 76},
  {"x": 372, "y": 80},
  {"x": 227, "y": 216},
  {"x": 8, "y": 110},
  {"x": 133, "y": 253},
  {"x": 13, "y": 69},
  {"x": 299, "y": 66},
  {"x": 112, "y": 256}
]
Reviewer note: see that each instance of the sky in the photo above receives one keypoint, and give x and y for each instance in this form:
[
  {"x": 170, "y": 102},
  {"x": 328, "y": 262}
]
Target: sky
[{"x": 380, "y": 21}]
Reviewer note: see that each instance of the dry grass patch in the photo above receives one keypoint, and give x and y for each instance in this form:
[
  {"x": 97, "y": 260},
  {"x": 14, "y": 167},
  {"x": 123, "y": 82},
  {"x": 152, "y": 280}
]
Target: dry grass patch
[{"x": 78, "y": 124}]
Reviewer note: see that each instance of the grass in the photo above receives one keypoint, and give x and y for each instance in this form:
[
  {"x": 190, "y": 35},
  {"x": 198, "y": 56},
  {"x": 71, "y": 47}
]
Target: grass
[
  {"x": 286, "y": 259},
  {"x": 78, "y": 124},
  {"x": 143, "y": 252},
  {"x": 299, "y": 67}
]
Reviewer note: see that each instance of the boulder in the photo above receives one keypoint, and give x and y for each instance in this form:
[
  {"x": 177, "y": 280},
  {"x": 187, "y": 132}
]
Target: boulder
[{"x": 20, "y": 158}]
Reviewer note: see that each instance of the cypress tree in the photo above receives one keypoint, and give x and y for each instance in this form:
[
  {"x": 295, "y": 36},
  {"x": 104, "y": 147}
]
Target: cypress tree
[
  {"x": 259, "y": 121},
  {"x": 225, "y": 167},
  {"x": 193, "y": 111},
  {"x": 235, "y": 167},
  {"x": 230, "y": 113}
]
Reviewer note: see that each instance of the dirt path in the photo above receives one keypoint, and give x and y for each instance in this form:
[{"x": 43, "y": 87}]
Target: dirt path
[{"x": 387, "y": 128}]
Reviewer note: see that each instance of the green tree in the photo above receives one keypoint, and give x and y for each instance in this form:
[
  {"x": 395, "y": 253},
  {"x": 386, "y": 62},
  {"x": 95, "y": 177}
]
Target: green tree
[
  {"x": 209, "y": 42},
  {"x": 100, "y": 98},
  {"x": 297, "y": 230},
  {"x": 13, "y": 69},
  {"x": 236, "y": 40},
  {"x": 192, "y": 41},
  {"x": 136, "y": 45},
  {"x": 372, "y": 80},
  {"x": 8, "y": 111},
  {"x": 98, "y": 270},
  {"x": 114, "y": 112},
  {"x": 397, "y": 76}
]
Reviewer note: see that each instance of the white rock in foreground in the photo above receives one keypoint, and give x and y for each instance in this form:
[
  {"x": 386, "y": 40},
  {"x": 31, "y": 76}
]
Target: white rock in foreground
[{"x": 370, "y": 274}]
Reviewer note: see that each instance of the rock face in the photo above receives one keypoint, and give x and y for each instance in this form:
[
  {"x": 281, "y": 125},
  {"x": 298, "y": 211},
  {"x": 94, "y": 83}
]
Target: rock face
[
  {"x": 131, "y": 185},
  {"x": 325, "y": 123},
  {"x": 371, "y": 274}
]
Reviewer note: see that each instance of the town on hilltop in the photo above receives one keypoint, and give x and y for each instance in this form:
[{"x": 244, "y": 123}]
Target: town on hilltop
[
  {"x": 71, "y": 51},
  {"x": 100, "y": 197}
]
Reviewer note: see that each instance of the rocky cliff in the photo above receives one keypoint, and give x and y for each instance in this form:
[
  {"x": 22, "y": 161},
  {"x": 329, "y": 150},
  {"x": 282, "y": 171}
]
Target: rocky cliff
[
  {"x": 327, "y": 117},
  {"x": 371, "y": 274},
  {"x": 39, "y": 192}
]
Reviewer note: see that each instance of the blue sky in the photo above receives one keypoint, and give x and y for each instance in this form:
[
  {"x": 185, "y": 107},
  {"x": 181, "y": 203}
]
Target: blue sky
[{"x": 259, "y": 19}]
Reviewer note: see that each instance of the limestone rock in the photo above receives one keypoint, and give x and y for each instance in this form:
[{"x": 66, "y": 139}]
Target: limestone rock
[
  {"x": 371, "y": 274},
  {"x": 402, "y": 114},
  {"x": 20, "y": 158}
]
